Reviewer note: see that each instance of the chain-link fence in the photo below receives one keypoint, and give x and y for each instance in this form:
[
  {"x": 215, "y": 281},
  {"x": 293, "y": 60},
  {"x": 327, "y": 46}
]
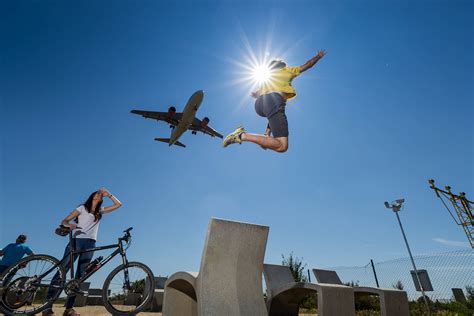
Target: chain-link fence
[{"x": 445, "y": 270}]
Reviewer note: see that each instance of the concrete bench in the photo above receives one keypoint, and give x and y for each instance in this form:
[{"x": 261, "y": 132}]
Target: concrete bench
[
  {"x": 133, "y": 299},
  {"x": 229, "y": 281},
  {"x": 393, "y": 302},
  {"x": 284, "y": 294},
  {"x": 94, "y": 297},
  {"x": 459, "y": 295},
  {"x": 156, "y": 305}
]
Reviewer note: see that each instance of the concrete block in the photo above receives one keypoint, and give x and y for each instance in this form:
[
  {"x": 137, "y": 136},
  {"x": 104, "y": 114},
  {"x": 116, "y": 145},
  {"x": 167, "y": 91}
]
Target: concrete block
[
  {"x": 392, "y": 302},
  {"x": 284, "y": 294},
  {"x": 94, "y": 297},
  {"x": 156, "y": 304},
  {"x": 459, "y": 295},
  {"x": 229, "y": 281},
  {"x": 327, "y": 276}
]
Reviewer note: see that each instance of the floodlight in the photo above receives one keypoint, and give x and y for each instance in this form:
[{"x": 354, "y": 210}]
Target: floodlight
[{"x": 396, "y": 207}]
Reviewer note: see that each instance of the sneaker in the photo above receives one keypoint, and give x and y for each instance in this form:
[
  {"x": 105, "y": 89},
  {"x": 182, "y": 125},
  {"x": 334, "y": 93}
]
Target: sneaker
[
  {"x": 70, "y": 312},
  {"x": 48, "y": 312},
  {"x": 234, "y": 137}
]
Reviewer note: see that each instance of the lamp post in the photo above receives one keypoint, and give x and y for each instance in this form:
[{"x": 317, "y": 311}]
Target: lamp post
[{"x": 395, "y": 207}]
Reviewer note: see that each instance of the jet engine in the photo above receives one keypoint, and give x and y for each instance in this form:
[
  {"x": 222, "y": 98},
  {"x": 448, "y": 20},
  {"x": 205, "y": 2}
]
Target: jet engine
[
  {"x": 171, "y": 111},
  {"x": 205, "y": 121}
]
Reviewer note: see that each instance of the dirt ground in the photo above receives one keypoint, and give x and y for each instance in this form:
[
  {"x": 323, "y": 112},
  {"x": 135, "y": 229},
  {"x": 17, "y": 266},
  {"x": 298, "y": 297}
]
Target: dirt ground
[
  {"x": 93, "y": 311},
  {"x": 101, "y": 311}
]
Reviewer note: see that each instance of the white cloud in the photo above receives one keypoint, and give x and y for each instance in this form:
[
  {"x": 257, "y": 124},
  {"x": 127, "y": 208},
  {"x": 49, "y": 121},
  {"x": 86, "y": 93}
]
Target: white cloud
[{"x": 451, "y": 243}]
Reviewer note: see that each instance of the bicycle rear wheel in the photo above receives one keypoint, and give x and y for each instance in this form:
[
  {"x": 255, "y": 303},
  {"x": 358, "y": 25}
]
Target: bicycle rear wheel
[
  {"x": 128, "y": 289},
  {"x": 24, "y": 285}
]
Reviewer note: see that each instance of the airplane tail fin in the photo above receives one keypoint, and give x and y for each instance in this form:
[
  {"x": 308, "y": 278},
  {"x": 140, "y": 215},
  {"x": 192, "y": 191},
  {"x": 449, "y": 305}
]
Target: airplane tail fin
[{"x": 167, "y": 140}]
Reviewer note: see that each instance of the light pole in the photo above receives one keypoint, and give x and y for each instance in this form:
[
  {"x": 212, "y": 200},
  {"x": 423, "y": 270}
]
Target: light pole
[{"x": 396, "y": 206}]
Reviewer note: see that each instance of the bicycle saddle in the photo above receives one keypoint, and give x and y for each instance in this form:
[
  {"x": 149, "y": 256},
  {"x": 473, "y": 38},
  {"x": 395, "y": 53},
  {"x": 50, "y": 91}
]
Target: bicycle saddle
[{"x": 63, "y": 230}]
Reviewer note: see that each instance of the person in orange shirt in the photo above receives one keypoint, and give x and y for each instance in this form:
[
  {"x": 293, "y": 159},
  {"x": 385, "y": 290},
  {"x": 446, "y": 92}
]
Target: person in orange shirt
[{"x": 270, "y": 103}]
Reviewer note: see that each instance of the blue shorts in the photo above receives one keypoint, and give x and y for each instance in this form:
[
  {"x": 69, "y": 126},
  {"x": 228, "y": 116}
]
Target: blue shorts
[{"x": 272, "y": 106}]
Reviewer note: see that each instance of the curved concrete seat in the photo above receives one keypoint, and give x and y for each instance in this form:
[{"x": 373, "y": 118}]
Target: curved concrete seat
[
  {"x": 156, "y": 304},
  {"x": 229, "y": 281},
  {"x": 393, "y": 302},
  {"x": 284, "y": 294},
  {"x": 184, "y": 282}
]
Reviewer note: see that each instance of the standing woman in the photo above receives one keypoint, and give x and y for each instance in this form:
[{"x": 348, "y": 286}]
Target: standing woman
[{"x": 86, "y": 219}]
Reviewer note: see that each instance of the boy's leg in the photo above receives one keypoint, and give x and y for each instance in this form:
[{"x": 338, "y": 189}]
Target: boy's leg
[
  {"x": 268, "y": 132},
  {"x": 278, "y": 144},
  {"x": 278, "y": 125}
]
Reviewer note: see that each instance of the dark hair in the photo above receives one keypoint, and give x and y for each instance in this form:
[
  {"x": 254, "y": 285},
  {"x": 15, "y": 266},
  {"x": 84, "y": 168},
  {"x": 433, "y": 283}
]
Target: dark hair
[
  {"x": 88, "y": 206},
  {"x": 277, "y": 64},
  {"x": 21, "y": 239}
]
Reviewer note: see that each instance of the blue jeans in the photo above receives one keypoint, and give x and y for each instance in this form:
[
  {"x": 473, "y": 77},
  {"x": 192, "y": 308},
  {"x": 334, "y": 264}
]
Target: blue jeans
[
  {"x": 84, "y": 259},
  {"x": 3, "y": 268}
]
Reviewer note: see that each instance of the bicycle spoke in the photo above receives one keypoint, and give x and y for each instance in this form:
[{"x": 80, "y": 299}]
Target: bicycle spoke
[
  {"x": 23, "y": 292},
  {"x": 132, "y": 296}
]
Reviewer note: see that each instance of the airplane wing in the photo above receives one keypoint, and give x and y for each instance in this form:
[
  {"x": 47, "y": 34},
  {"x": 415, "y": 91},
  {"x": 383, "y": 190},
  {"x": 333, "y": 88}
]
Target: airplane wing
[
  {"x": 172, "y": 118},
  {"x": 201, "y": 126}
]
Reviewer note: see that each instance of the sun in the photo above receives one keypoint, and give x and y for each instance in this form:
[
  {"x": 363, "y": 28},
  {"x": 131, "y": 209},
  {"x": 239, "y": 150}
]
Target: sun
[
  {"x": 251, "y": 69},
  {"x": 261, "y": 74}
]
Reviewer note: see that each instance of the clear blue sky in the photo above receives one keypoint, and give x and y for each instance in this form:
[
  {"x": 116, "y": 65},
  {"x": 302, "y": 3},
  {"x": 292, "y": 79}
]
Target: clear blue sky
[{"x": 389, "y": 107}]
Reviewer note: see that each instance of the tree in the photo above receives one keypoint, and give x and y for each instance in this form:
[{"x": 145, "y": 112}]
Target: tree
[
  {"x": 298, "y": 270},
  {"x": 138, "y": 286},
  {"x": 398, "y": 285},
  {"x": 296, "y": 266},
  {"x": 352, "y": 283}
]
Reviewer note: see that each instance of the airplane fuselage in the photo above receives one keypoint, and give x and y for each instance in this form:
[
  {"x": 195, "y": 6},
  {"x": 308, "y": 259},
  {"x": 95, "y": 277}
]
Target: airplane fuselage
[{"x": 189, "y": 113}]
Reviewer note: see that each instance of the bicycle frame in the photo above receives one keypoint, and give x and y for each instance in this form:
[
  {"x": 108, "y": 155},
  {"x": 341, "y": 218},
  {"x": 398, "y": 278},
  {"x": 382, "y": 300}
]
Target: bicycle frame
[{"x": 72, "y": 253}]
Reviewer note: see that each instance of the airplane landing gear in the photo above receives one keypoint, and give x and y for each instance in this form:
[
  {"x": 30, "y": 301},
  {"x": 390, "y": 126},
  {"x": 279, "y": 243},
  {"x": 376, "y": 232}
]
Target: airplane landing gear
[{"x": 194, "y": 132}]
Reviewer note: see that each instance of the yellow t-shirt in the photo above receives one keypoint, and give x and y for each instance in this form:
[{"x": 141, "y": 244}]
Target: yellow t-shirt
[{"x": 280, "y": 81}]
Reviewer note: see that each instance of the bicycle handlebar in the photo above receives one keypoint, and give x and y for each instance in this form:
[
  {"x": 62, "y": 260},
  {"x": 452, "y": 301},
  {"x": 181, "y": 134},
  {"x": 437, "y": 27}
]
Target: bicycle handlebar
[{"x": 127, "y": 235}]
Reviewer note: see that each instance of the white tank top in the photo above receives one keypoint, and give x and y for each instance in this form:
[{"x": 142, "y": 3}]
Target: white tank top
[{"x": 86, "y": 221}]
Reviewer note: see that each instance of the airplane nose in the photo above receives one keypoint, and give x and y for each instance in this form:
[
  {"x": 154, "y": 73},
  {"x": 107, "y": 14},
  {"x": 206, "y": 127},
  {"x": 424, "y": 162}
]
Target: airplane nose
[
  {"x": 197, "y": 98},
  {"x": 199, "y": 95}
]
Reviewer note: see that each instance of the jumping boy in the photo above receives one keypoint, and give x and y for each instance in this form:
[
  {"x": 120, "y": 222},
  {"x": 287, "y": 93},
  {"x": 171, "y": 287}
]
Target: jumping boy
[{"x": 270, "y": 103}]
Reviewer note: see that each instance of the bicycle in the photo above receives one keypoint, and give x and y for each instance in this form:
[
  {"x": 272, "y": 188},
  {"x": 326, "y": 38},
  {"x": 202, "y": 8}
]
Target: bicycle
[{"x": 127, "y": 290}]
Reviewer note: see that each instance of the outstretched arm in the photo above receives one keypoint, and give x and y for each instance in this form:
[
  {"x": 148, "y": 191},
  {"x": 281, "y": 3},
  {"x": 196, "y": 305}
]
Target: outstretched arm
[
  {"x": 310, "y": 63},
  {"x": 65, "y": 222},
  {"x": 111, "y": 208}
]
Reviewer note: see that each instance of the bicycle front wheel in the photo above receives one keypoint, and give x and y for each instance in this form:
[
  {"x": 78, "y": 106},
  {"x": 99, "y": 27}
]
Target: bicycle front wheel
[
  {"x": 128, "y": 289},
  {"x": 24, "y": 285}
]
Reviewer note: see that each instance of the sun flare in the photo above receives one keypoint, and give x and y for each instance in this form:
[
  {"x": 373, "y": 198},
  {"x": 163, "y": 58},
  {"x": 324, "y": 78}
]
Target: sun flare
[
  {"x": 261, "y": 74},
  {"x": 252, "y": 69}
]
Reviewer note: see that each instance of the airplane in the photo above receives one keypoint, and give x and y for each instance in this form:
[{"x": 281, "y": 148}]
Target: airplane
[{"x": 181, "y": 122}]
